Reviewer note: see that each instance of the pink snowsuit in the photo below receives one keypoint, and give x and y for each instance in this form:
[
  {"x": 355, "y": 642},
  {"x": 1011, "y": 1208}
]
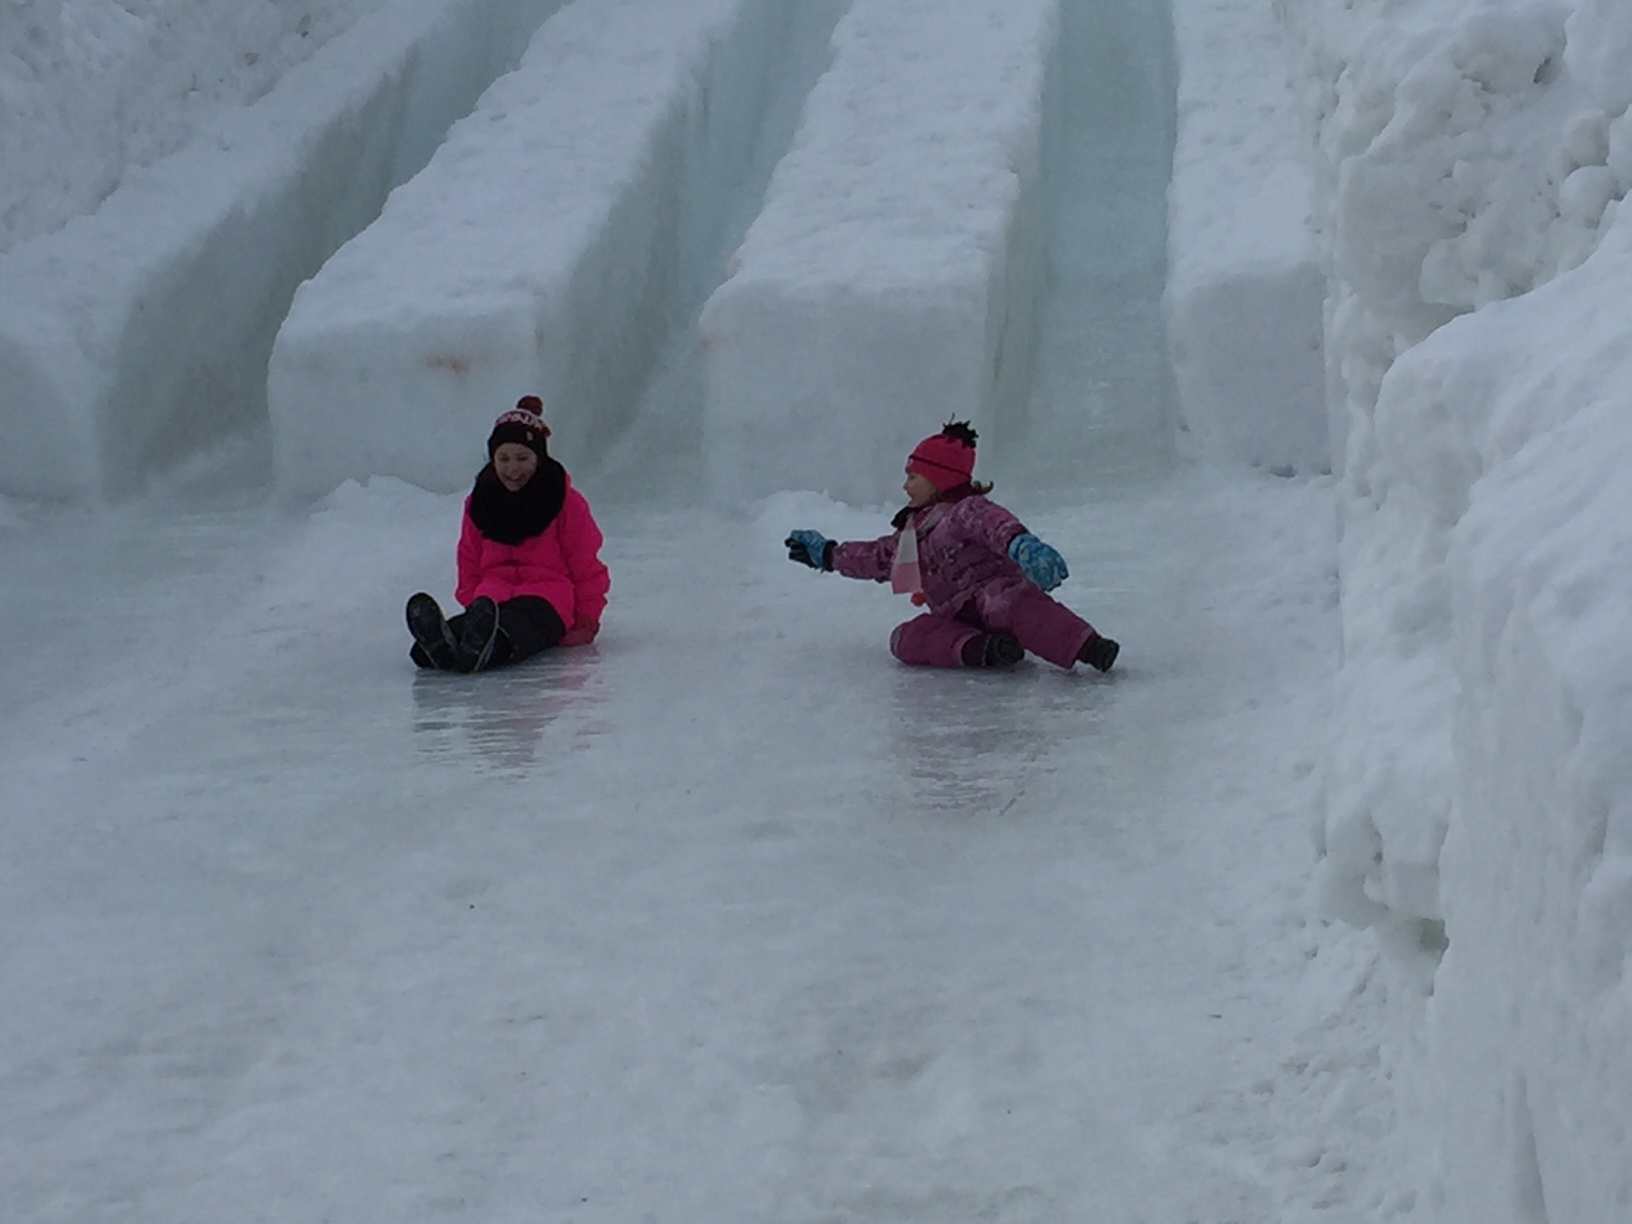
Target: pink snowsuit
[
  {"x": 562, "y": 564},
  {"x": 970, "y": 585}
]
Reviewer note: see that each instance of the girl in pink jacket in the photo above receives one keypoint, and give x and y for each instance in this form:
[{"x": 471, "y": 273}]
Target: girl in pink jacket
[
  {"x": 530, "y": 572},
  {"x": 977, "y": 569}
]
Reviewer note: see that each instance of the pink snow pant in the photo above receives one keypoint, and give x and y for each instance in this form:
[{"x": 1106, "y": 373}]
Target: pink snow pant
[{"x": 1043, "y": 626}]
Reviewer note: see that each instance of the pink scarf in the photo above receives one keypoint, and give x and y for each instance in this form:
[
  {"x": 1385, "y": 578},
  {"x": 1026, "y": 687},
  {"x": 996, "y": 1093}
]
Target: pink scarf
[{"x": 906, "y": 575}]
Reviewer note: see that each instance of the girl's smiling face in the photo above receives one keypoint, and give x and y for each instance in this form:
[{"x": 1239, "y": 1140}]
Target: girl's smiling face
[
  {"x": 919, "y": 491},
  {"x": 514, "y": 464}
]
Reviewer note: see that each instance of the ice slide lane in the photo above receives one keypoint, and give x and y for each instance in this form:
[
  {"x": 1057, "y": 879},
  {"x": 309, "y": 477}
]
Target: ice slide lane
[
  {"x": 556, "y": 240},
  {"x": 565, "y": 235},
  {"x": 892, "y": 275},
  {"x": 728, "y": 917},
  {"x": 142, "y": 330}
]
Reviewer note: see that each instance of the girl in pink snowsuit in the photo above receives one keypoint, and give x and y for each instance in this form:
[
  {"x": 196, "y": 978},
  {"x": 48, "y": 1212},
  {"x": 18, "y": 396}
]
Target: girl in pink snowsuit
[
  {"x": 530, "y": 571},
  {"x": 977, "y": 569}
]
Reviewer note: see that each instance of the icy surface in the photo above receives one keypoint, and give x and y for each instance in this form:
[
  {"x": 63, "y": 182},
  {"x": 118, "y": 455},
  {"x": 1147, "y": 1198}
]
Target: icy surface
[{"x": 728, "y": 891}]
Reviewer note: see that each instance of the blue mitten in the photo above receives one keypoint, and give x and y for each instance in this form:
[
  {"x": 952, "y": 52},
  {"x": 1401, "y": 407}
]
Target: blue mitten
[
  {"x": 1042, "y": 564},
  {"x": 808, "y": 548}
]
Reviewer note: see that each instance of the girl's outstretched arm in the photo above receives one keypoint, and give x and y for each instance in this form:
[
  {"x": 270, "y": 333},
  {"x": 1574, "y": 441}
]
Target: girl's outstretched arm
[
  {"x": 853, "y": 558},
  {"x": 865, "y": 558}
]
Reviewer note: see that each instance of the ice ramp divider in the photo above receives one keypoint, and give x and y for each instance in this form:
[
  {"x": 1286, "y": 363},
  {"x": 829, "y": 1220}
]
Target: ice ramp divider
[
  {"x": 893, "y": 277},
  {"x": 544, "y": 249},
  {"x": 141, "y": 332},
  {"x": 1245, "y": 300}
]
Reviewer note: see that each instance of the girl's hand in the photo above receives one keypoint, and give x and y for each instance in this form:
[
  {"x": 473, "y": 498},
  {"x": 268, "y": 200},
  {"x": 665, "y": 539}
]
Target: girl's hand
[
  {"x": 1042, "y": 564},
  {"x": 808, "y": 548}
]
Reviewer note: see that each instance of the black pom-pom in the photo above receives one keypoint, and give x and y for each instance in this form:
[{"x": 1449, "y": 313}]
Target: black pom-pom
[{"x": 960, "y": 431}]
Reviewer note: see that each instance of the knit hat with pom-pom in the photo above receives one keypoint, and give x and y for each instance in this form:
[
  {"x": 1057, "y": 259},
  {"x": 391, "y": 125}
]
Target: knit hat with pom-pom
[
  {"x": 524, "y": 424},
  {"x": 946, "y": 459}
]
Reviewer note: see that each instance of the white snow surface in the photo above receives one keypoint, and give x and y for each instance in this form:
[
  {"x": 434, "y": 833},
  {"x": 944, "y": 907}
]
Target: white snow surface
[
  {"x": 1470, "y": 160},
  {"x": 1317, "y": 908}
]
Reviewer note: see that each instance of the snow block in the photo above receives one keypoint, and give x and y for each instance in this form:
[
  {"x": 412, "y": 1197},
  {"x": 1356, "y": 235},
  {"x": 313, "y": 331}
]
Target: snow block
[
  {"x": 892, "y": 279},
  {"x": 1245, "y": 344},
  {"x": 1246, "y": 290},
  {"x": 141, "y": 332},
  {"x": 547, "y": 248}
]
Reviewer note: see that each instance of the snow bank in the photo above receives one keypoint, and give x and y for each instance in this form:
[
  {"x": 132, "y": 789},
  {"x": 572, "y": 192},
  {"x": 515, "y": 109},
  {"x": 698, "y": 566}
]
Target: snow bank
[
  {"x": 134, "y": 334},
  {"x": 1537, "y": 866},
  {"x": 548, "y": 247},
  {"x": 890, "y": 281},
  {"x": 1245, "y": 286},
  {"x": 1471, "y": 162},
  {"x": 1600, "y": 39}
]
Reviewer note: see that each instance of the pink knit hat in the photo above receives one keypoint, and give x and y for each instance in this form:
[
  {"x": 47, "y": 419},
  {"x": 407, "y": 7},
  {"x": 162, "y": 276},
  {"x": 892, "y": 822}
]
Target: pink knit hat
[
  {"x": 946, "y": 459},
  {"x": 524, "y": 424}
]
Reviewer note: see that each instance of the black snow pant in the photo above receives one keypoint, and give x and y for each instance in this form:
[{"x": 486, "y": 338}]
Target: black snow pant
[{"x": 528, "y": 624}]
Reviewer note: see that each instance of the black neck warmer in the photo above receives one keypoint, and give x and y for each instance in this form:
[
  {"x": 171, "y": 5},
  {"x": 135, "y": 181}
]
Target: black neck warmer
[{"x": 510, "y": 518}]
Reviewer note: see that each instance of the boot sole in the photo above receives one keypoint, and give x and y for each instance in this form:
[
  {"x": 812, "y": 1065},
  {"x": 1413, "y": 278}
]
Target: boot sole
[
  {"x": 431, "y": 633},
  {"x": 476, "y": 648}
]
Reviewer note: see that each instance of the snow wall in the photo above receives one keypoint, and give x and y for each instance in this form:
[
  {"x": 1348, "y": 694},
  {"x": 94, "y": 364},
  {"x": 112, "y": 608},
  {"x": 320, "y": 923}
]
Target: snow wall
[
  {"x": 1469, "y": 165},
  {"x": 141, "y": 330}
]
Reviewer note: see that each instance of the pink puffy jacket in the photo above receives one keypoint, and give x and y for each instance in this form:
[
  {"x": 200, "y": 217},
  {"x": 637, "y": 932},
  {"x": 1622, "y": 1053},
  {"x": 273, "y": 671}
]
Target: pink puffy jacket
[
  {"x": 963, "y": 548},
  {"x": 562, "y": 563}
]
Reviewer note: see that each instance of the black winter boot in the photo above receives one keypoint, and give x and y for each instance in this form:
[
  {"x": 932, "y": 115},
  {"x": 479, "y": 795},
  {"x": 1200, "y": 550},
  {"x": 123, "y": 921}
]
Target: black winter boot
[
  {"x": 432, "y": 635},
  {"x": 1002, "y": 650},
  {"x": 477, "y": 634},
  {"x": 993, "y": 650},
  {"x": 1099, "y": 652}
]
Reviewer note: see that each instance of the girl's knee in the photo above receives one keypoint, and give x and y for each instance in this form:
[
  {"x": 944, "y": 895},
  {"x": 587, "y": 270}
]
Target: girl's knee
[
  {"x": 930, "y": 641},
  {"x": 896, "y": 637}
]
